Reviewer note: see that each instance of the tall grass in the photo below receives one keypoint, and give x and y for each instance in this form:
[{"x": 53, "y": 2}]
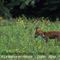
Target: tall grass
[{"x": 18, "y": 36}]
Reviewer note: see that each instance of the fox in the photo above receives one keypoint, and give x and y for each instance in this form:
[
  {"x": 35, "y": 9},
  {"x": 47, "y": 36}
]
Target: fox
[{"x": 47, "y": 35}]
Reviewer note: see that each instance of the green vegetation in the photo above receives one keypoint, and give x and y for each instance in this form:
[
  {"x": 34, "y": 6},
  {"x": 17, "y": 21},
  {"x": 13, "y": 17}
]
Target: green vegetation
[
  {"x": 9, "y": 7},
  {"x": 17, "y": 36}
]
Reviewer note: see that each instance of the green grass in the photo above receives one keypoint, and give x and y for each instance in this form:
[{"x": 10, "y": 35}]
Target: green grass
[{"x": 18, "y": 37}]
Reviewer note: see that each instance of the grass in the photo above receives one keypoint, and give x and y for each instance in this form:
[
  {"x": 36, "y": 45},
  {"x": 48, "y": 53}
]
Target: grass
[{"x": 17, "y": 37}]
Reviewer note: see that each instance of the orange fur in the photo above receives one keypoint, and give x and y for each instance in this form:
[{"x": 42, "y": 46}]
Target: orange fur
[{"x": 46, "y": 35}]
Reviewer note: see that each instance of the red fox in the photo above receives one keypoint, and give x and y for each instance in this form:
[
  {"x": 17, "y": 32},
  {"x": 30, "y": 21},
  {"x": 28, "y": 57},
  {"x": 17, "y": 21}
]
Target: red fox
[{"x": 47, "y": 35}]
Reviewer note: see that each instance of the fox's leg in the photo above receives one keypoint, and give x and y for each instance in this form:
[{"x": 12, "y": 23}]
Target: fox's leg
[
  {"x": 46, "y": 39},
  {"x": 58, "y": 40}
]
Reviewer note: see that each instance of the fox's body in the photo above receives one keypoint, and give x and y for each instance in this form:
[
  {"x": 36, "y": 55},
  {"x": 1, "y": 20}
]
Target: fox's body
[{"x": 47, "y": 35}]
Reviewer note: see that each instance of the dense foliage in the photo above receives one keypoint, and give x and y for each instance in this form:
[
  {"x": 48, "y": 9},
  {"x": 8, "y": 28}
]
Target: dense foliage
[
  {"x": 17, "y": 37},
  {"x": 35, "y": 8}
]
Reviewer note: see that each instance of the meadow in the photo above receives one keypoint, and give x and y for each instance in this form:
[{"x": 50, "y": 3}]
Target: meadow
[{"x": 17, "y": 36}]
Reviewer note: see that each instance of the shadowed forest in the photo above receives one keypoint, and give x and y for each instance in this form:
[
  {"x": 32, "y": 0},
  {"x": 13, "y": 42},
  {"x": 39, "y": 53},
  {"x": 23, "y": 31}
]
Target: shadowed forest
[{"x": 31, "y": 8}]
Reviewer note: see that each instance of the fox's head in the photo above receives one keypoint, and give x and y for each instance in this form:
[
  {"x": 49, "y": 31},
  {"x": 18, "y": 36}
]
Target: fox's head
[{"x": 38, "y": 32}]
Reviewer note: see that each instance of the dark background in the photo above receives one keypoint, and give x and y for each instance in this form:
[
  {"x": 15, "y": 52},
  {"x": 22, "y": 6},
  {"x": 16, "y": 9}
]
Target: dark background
[{"x": 30, "y": 8}]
